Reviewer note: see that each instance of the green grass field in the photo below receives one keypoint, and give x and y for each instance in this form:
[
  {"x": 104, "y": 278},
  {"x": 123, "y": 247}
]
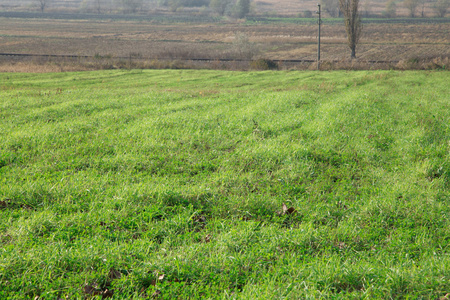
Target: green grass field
[{"x": 171, "y": 184}]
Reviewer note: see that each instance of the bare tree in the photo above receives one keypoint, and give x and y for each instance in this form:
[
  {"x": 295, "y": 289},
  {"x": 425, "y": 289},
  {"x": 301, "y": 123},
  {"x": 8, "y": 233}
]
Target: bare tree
[
  {"x": 411, "y": 5},
  {"x": 132, "y": 6},
  {"x": 353, "y": 24},
  {"x": 391, "y": 9},
  {"x": 366, "y": 9},
  {"x": 242, "y": 8},
  {"x": 441, "y": 7},
  {"x": 98, "y": 6},
  {"x": 423, "y": 4},
  {"x": 331, "y": 7},
  {"x": 220, "y": 6},
  {"x": 43, "y": 4}
]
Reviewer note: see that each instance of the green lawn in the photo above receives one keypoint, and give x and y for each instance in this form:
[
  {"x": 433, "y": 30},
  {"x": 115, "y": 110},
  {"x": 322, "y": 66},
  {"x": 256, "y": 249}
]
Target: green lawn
[{"x": 171, "y": 184}]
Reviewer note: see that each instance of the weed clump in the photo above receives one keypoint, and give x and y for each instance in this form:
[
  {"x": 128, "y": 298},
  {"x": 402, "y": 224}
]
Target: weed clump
[{"x": 263, "y": 64}]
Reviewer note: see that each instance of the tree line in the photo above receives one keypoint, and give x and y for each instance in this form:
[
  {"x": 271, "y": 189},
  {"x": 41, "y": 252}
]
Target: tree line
[
  {"x": 415, "y": 8},
  {"x": 241, "y": 8},
  {"x": 233, "y": 8}
]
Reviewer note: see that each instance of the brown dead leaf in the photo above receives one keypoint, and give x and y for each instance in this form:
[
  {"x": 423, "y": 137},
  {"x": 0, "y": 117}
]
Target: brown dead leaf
[
  {"x": 95, "y": 290},
  {"x": 200, "y": 219},
  {"x": 246, "y": 218},
  {"x": 5, "y": 238},
  {"x": 341, "y": 245},
  {"x": 26, "y": 206},
  {"x": 156, "y": 293},
  {"x": 107, "y": 294},
  {"x": 4, "y": 204},
  {"x": 143, "y": 291},
  {"x": 207, "y": 238},
  {"x": 114, "y": 274},
  {"x": 92, "y": 290},
  {"x": 446, "y": 297},
  {"x": 286, "y": 211},
  {"x": 199, "y": 222},
  {"x": 340, "y": 204},
  {"x": 88, "y": 289},
  {"x": 290, "y": 211}
]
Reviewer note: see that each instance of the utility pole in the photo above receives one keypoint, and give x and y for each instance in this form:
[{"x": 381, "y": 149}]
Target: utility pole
[{"x": 318, "y": 41}]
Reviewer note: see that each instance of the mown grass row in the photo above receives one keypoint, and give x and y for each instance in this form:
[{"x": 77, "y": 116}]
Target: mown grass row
[{"x": 170, "y": 184}]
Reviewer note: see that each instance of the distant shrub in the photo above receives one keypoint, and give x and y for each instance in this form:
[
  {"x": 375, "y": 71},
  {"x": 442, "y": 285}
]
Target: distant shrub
[
  {"x": 220, "y": 6},
  {"x": 307, "y": 14},
  {"x": 391, "y": 9},
  {"x": 437, "y": 63},
  {"x": 174, "y": 4},
  {"x": 441, "y": 7},
  {"x": 263, "y": 64},
  {"x": 242, "y": 8},
  {"x": 244, "y": 49}
]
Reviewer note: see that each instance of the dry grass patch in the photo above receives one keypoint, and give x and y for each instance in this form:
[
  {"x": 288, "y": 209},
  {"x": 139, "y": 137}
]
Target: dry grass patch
[{"x": 30, "y": 67}]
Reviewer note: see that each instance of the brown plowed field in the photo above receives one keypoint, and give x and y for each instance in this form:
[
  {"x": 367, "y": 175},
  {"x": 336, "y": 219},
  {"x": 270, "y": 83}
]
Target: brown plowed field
[{"x": 235, "y": 40}]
